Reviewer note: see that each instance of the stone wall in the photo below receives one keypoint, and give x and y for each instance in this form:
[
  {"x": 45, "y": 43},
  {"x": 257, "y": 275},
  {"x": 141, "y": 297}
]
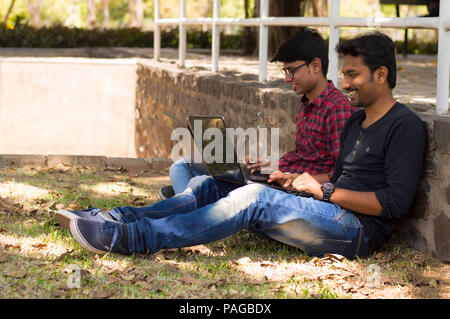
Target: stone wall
[
  {"x": 241, "y": 99},
  {"x": 245, "y": 102},
  {"x": 428, "y": 225}
]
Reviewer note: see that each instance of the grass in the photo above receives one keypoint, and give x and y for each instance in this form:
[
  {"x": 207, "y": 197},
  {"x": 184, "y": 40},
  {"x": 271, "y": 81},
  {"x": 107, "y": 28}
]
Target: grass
[{"x": 39, "y": 259}]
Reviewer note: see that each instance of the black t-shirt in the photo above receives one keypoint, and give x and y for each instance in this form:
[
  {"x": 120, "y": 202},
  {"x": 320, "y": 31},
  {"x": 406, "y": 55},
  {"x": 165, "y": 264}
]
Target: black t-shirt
[{"x": 385, "y": 158}]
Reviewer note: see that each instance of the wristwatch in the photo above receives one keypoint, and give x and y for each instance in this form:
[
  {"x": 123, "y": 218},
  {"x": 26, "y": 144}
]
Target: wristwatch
[{"x": 327, "y": 189}]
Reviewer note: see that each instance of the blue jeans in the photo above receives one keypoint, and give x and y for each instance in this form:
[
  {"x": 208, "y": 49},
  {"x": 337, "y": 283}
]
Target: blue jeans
[
  {"x": 210, "y": 210},
  {"x": 181, "y": 173}
]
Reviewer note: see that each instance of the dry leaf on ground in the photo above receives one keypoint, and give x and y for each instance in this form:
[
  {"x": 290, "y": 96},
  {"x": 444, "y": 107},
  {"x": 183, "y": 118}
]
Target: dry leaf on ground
[
  {"x": 103, "y": 294},
  {"x": 128, "y": 277},
  {"x": 58, "y": 293},
  {"x": 64, "y": 254},
  {"x": 39, "y": 246},
  {"x": 190, "y": 280},
  {"x": 16, "y": 273},
  {"x": 336, "y": 257}
]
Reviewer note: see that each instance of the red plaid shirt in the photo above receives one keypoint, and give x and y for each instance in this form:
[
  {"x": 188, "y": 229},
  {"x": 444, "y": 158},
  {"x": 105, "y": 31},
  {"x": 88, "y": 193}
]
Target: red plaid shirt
[{"x": 319, "y": 128}]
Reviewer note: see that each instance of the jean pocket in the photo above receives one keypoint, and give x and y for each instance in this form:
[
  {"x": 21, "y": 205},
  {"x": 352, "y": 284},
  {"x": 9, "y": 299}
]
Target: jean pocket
[{"x": 348, "y": 219}]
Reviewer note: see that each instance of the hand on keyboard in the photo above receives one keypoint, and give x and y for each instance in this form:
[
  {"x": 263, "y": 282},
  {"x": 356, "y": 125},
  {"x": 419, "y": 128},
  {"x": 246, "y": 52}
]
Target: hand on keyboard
[{"x": 283, "y": 179}]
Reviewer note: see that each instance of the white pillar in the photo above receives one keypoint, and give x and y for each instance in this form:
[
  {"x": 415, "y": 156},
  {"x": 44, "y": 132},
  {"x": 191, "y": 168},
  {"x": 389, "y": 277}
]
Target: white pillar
[
  {"x": 443, "y": 65},
  {"x": 215, "y": 36},
  {"x": 182, "y": 37},
  {"x": 263, "y": 40},
  {"x": 333, "y": 41},
  {"x": 156, "y": 34}
]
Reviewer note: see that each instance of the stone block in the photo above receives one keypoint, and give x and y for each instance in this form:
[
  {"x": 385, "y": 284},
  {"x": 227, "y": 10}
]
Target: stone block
[
  {"x": 429, "y": 120},
  {"x": 429, "y": 165},
  {"x": 442, "y": 236},
  {"x": 414, "y": 237},
  {"x": 74, "y": 160},
  {"x": 129, "y": 164},
  {"x": 237, "y": 93},
  {"x": 13, "y": 160},
  {"x": 447, "y": 194},
  {"x": 158, "y": 164},
  {"x": 437, "y": 199},
  {"x": 442, "y": 163},
  {"x": 442, "y": 134},
  {"x": 421, "y": 203}
]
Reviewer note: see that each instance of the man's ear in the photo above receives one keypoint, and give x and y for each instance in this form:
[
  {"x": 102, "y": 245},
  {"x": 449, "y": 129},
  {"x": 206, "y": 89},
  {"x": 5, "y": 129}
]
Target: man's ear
[
  {"x": 381, "y": 75},
  {"x": 316, "y": 65}
]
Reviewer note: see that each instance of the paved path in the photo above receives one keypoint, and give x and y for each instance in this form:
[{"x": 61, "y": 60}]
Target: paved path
[{"x": 416, "y": 81}]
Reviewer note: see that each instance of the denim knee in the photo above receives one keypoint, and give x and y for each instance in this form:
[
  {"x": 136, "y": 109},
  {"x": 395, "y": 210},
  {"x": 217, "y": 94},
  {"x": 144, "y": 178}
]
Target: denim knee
[
  {"x": 199, "y": 179},
  {"x": 178, "y": 164}
]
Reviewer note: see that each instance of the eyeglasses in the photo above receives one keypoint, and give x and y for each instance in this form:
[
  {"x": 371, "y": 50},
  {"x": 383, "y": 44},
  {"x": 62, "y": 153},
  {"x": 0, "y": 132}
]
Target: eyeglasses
[{"x": 289, "y": 72}]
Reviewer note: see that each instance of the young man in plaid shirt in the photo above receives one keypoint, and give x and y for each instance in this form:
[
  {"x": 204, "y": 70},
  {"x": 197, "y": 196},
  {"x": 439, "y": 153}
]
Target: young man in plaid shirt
[{"x": 323, "y": 111}]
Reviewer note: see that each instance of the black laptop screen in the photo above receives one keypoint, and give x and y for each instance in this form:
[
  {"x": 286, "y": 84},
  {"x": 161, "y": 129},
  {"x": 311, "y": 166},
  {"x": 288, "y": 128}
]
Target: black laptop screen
[{"x": 210, "y": 135}]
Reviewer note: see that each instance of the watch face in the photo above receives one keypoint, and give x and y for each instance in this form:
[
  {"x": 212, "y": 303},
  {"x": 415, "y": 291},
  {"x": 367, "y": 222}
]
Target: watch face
[{"x": 328, "y": 189}]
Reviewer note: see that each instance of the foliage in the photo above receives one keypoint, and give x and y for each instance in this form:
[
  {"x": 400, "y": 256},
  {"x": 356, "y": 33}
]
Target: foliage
[
  {"x": 417, "y": 47},
  {"x": 56, "y": 15},
  {"x": 58, "y": 36}
]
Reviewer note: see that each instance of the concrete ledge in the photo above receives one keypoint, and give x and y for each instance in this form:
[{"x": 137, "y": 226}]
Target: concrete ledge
[
  {"x": 23, "y": 161},
  {"x": 102, "y": 162},
  {"x": 64, "y": 105}
]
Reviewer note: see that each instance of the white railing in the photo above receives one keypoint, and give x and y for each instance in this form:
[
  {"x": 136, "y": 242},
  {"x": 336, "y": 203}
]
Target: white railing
[{"x": 334, "y": 22}]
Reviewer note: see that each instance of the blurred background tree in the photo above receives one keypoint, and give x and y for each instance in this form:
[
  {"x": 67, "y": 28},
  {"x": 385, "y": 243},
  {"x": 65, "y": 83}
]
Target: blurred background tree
[{"x": 137, "y": 15}]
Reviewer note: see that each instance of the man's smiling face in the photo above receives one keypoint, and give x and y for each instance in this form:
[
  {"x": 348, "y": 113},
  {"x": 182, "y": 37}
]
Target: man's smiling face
[
  {"x": 301, "y": 78},
  {"x": 358, "y": 81}
]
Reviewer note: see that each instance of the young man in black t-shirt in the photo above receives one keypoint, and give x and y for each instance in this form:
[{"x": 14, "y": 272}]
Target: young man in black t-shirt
[{"x": 382, "y": 145}]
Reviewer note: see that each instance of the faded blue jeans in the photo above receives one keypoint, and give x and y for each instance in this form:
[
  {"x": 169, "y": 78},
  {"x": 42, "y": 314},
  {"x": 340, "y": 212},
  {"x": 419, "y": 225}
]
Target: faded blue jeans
[
  {"x": 209, "y": 210},
  {"x": 181, "y": 173}
]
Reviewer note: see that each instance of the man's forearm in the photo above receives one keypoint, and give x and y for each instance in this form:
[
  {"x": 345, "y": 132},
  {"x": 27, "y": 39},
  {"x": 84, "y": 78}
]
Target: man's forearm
[
  {"x": 361, "y": 202},
  {"x": 323, "y": 178}
]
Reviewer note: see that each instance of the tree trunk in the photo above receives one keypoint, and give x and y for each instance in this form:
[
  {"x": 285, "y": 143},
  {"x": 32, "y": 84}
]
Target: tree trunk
[
  {"x": 139, "y": 12},
  {"x": 105, "y": 4},
  {"x": 91, "y": 14},
  {"x": 319, "y": 8},
  {"x": 34, "y": 8},
  {"x": 11, "y": 5},
  {"x": 131, "y": 12},
  {"x": 277, "y": 35},
  {"x": 206, "y": 11},
  {"x": 249, "y": 34},
  {"x": 282, "y": 8}
]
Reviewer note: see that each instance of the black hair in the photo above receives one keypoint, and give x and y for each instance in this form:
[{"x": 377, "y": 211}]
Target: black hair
[
  {"x": 377, "y": 50},
  {"x": 305, "y": 45}
]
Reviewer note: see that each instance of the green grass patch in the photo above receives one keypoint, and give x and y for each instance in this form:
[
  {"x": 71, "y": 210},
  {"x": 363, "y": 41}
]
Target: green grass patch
[{"x": 39, "y": 259}]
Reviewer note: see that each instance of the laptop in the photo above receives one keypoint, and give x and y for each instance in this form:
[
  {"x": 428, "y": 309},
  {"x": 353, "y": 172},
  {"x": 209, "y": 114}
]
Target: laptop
[
  {"x": 173, "y": 124},
  {"x": 230, "y": 172}
]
